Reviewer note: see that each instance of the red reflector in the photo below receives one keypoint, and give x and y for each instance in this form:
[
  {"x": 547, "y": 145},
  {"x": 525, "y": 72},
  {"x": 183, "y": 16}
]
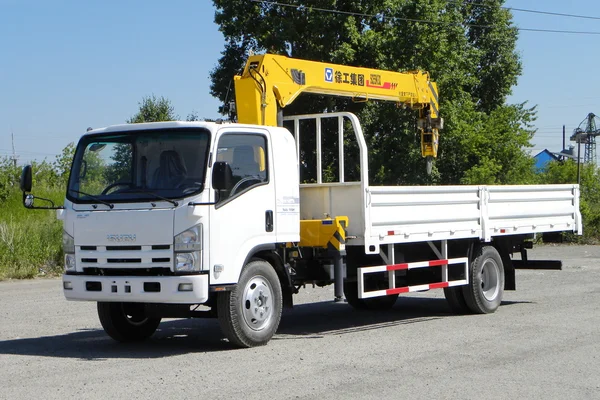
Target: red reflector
[
  {"x": 502, "y": 230},
  {"x": 438, "y": 285},
  {"x": 390, "y": 233},
  {"x": 435, "y": 263},
  {"x": 397, "y": 290}
]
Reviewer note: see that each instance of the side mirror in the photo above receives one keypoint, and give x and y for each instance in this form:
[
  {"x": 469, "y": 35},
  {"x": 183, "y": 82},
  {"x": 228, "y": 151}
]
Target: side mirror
[
  {"x": 26, "y": 179},
  {"x": 222, "y": 176},
  {"x": 28, "y": 200}
]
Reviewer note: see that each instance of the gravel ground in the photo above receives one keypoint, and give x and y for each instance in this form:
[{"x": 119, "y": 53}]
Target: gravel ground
[{"x": 543, "y": 342}]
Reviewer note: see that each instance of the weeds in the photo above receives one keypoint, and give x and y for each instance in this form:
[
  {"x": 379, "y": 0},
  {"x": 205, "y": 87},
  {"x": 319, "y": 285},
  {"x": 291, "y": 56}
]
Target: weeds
[{"x": 30, "y": 241}]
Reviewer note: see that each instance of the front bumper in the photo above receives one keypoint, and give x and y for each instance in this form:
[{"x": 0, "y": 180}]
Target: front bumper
[{"x": 139, "y": 289}]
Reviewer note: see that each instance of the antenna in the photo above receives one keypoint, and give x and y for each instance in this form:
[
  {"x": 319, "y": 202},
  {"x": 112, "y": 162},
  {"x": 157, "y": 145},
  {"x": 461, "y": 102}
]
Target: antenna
[{"x": 14, "y": 156}]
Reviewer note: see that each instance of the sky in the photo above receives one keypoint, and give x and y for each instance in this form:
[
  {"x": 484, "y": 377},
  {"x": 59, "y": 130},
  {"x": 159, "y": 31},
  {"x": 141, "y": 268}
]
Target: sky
[{"x": 66, "y": 65}]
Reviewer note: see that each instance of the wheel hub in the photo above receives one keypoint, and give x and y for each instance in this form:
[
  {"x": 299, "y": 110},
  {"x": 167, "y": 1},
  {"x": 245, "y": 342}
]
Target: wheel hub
[
  {"x": 258, "y": 303},
  {"x": 490, "y": 276}
]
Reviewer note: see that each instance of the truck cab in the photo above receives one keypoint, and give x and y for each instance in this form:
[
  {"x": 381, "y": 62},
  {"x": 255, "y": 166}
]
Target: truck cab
[{"x": 169, "y": 213}]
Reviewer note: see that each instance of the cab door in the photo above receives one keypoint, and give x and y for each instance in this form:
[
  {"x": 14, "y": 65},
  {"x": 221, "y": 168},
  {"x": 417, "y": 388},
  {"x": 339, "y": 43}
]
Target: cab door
[{"x": 243, "y": 217}]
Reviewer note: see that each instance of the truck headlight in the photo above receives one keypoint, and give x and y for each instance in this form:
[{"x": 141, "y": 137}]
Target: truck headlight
[
  {"x": 68, "y": 245},
  {"x": 190, "y": 239},
  {"x": 187, "y": 262},
  {"x": 69, "y": 262},
  {"x": 188, "y": 250}
]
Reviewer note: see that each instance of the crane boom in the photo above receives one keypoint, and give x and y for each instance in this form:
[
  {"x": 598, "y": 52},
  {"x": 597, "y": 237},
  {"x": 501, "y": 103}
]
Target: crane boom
[{"x": 271, "y": 82}]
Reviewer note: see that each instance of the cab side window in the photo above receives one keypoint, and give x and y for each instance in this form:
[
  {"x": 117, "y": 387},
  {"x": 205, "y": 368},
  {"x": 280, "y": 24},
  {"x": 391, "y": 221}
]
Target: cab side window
[{"x": 246, "y": 155}]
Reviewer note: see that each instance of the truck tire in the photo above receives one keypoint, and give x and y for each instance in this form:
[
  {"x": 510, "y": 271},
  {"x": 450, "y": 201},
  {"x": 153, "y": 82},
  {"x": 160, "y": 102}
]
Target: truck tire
[
  {"x": 126, "y": 322},
  {"x": 250, "y": 313},
  {"x": 373, "y": 303},
  {"x": 483, "y": 294},
  {"x": 456, "y": 300}
]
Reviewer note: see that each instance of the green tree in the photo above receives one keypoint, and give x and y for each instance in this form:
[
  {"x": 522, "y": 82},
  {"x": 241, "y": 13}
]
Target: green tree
[
  {"x": 497, "y": 65},
  {"x": 153, "y": 109},
  {"x": 469, "y": 48},
  {"x": 62, "y": 164},
  {"x": 120, "y": 169},
  {"x": 193, "y": 116}
]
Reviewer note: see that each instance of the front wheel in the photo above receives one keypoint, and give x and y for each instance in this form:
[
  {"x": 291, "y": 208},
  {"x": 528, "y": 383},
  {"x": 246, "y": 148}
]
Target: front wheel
[
  {"x": 126, "y": 322},
  {"x": 250, "y": 313},
  {"x": 484, "y": 292}
]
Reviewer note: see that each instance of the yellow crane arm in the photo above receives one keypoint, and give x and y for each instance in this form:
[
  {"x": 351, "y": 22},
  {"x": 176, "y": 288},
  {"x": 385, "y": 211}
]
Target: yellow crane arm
[{"x": 270, "y": 82}]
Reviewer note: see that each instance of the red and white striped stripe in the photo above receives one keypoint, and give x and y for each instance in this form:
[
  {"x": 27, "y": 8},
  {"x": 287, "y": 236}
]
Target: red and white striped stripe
[{"x": 408, "y": 266}]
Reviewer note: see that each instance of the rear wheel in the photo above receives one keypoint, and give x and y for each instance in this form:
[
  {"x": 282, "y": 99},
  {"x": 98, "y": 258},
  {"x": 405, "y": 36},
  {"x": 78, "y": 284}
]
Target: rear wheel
[
  {"x": 373, "y": 303},
  {"x": 126, "y": 322},
  {"x": 456, "y": 300},
  {"x": 484, "y": 292},
  {"x": 249, "y": 314}
]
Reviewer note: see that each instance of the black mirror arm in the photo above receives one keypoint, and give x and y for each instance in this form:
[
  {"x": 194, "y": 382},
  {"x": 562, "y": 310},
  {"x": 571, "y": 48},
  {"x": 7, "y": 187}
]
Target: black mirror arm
[
  {"x": 32, "y": 207},
  {"x": 192, "y": 204}
]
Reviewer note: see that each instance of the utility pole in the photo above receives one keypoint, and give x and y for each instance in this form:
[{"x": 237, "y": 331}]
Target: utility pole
[
  {"x": 578, "y": 163},
  {"x": 14, "y": 155}
]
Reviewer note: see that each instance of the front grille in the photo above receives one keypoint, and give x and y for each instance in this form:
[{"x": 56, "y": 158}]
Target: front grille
[
  {"x": 93, "y": 271},
  {"x": 138, "y": 260},
  {"x": 123, "y": 248},
  {"x": 123, "y": 260}
]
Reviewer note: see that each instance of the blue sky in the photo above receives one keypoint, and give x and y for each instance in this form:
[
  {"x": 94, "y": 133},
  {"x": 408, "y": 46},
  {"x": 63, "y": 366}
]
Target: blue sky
[{"x": 66, "y": 65}]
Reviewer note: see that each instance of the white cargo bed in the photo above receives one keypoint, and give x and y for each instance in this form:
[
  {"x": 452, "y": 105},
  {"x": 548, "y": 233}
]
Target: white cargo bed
[{"x": 402, "y": 214}]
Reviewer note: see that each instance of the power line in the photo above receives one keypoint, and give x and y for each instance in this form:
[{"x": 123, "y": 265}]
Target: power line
[
  {"x": 382, "y": 16},
  {"x": 552, "y": 13},
  {"x": 556, "y": 14}
]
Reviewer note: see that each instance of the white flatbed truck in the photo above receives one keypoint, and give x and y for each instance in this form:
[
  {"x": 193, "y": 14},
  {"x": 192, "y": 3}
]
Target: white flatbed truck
[{"x": 160, "y": 218}]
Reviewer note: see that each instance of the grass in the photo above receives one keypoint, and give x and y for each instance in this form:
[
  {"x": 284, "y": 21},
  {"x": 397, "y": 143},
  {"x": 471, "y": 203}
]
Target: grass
[{"x": 30, "y": 240}]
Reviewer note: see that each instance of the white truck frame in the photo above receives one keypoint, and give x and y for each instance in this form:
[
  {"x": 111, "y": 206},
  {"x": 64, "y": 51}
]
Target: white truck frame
[{"x": 248, "y": 256}]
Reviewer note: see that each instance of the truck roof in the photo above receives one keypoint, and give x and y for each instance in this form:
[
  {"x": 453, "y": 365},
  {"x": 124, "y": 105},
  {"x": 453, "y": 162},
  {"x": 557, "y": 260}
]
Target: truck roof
[
  {"x": 212, "y": 126},
  {"x": 158, "y": 125}
]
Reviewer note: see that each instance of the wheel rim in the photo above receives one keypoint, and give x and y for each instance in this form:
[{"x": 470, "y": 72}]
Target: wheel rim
[
  {"x": 258, "y": 303},
  {"x": 490, "y": 276}
]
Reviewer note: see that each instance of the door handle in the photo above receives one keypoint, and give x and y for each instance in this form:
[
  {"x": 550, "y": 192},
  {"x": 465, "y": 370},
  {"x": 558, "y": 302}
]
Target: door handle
[{"x": 269, "y": 220}]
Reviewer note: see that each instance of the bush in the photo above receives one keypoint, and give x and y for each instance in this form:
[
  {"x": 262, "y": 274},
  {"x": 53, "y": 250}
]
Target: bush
[{"x": 30, "y": 240}]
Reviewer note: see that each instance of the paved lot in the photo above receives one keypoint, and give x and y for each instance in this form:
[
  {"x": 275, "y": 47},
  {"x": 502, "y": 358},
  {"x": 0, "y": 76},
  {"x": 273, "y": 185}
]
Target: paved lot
[{"x": 544, "y": 342}]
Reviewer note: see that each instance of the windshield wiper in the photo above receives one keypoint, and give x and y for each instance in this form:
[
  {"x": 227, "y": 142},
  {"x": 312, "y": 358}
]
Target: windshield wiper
[
  {"x": 91, "y": 196},
  {"x": 175, "y": 203}
]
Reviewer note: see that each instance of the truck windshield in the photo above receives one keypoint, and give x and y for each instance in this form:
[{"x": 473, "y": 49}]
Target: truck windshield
[{"x": 145, "y": 165}]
